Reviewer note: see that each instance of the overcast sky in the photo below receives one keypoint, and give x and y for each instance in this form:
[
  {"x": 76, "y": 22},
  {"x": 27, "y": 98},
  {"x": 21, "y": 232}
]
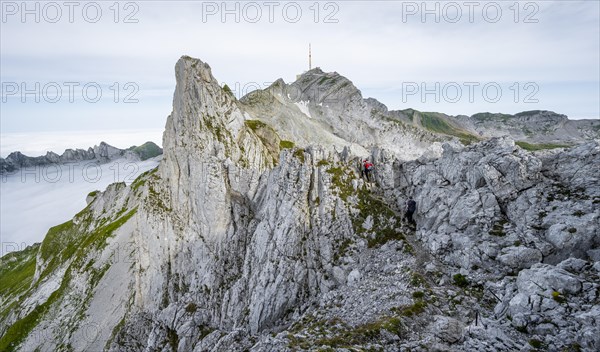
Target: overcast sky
[{"x": 538, "y": 55}]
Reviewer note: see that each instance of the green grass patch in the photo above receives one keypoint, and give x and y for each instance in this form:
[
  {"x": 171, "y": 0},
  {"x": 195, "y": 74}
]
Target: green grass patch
[
  {"x": 418, "y": 294},
  {"x": 415, "y": 309},
  {"x": 384, "y": 220},
  {"x": 309, "y": 333},
  {"x": 488, "y": 116},
  {"x": 417, "y": 280},
  {"x": 535, "y": 343},
  {"x": 255, "y": 124},
  {"x": 342, "y": 182},
  {"x": 99, "y": 236},
  {"x": 362, "y": 334},
  {"x": 437, "y": 124},
  {"x": 460, "y": 280},
  {"x": 558, "y": 297},
  {"x": 191, "y": 307},
  {"x": 283, "y": 144},
  {"x": 141, "y": 179},
  {"x": 542, "y": 146},
  {"x": 365, "y": 205},
  {"x": 17, "y": 270},
  {"x": 64, "y": 241},
  {"x": 385, "y": 235},
  {"x": 17, "y": 332},
  {"x": 299, "y": 153},
  {"x": 58, "y": 245}
]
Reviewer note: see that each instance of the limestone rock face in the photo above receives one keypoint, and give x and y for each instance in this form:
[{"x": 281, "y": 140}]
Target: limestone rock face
[
  {"x": 520, "y": 257},
  {"x": 448, "y": 329},
  {"x": 257, "y": 232},
  {"x": 484, "y": 204}
]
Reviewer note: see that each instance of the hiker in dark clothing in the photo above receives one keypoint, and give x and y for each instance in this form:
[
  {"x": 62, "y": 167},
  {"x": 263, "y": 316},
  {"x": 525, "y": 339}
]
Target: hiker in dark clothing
[
  {"x": 411, "y": 206},
  {"x": 367, "y": 168}
]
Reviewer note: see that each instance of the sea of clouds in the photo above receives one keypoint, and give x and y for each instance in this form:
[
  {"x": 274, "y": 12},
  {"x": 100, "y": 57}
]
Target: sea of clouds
[{"x": 34, "y": 199}]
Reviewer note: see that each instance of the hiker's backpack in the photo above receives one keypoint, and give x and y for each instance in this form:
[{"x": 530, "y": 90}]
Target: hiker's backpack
[
  {"x": 369, "y": 166},
  {"x": 412, "y": 205}
]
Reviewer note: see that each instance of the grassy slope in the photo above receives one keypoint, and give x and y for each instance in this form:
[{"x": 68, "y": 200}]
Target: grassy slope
[
  {"x": 483, "y": 116},
  {"x": 16, "y": 276},
  {"x": 63, "y": 243},
  {"x": 434, "y": 123},
  {"x": 542, "y": 146},
  {"x": 17, "y": 271}
]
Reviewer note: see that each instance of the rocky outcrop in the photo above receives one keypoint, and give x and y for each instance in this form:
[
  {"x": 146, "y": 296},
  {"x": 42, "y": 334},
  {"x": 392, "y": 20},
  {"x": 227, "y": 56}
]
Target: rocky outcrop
[
  {"x": 100, "y": 153},
  {"x": 494, "y": 193},
  {"x": 257, "y": 232},
  {"x": 536, "y": 126},
  {"x": 535, "y": 130}
]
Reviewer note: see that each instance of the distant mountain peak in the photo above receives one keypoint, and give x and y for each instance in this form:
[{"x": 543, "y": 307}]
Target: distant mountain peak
[{"x": 102, "y": 152}]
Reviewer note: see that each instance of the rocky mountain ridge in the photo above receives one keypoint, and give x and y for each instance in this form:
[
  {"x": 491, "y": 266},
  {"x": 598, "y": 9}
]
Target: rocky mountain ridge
[
  {"x": 326, "y": 109},
  {"x": 536, "y": 126},
  {"x": 324, "y": 97},
  {"x": 101, "y": 153},
  {"x": 534, "y": 130},
  {"x": 256, "y": 232}
]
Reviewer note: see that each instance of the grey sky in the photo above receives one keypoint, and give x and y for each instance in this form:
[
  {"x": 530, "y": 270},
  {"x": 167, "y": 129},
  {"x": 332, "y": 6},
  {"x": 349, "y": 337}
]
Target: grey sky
[{"x": 383, "y": 47}]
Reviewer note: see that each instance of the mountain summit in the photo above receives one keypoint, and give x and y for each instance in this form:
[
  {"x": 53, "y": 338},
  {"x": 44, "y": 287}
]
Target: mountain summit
[{"x": 257, "y": 232}]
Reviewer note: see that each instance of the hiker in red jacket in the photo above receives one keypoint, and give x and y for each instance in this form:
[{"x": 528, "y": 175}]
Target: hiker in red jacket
[{"x": 368, "y": 167}]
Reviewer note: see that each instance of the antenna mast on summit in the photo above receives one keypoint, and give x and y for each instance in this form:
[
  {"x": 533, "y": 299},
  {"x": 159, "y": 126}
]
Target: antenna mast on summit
[{"x": 309, "y": 58}]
